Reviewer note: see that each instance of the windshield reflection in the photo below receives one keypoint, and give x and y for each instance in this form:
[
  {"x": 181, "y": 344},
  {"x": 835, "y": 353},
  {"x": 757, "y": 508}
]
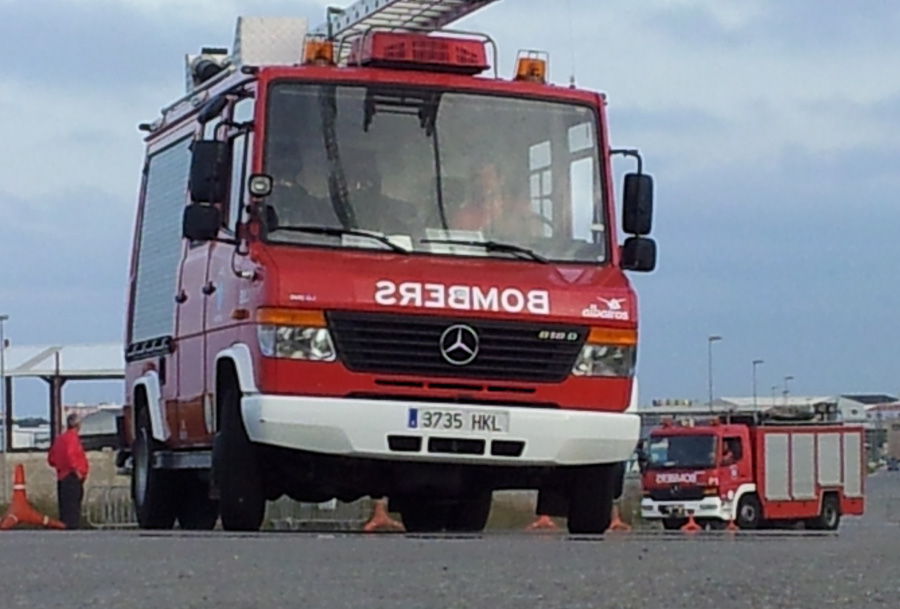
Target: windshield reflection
[
  {"x": 434, "y": 172},
  {"x": 672, "y": 452}
]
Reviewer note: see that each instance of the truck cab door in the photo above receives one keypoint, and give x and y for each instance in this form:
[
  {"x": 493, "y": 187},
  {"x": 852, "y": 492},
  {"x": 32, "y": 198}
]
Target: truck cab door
[
  {"x": 229, "y": 291},
  {"x": 189, "y": 352},
  {"x": 190, "y": 341},
  {"x": 735, "y": 459}
]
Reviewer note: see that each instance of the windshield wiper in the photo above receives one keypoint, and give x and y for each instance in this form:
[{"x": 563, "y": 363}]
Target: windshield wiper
[
  {"x": 340, "y": 232},
  {"x": 494, "y": 246}
]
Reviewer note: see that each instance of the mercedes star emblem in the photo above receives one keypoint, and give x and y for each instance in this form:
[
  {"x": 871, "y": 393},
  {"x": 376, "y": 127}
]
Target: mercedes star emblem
[{"x": 459, "y": 345}]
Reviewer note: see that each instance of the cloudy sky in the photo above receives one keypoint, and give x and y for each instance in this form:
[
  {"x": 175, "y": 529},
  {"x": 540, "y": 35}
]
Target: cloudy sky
[{"x": 771, "y": 129}]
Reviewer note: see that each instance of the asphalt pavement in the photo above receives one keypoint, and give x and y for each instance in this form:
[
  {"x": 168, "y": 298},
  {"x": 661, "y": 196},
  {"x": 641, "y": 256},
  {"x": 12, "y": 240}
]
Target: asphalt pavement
[{"x": 859, "y": 567}]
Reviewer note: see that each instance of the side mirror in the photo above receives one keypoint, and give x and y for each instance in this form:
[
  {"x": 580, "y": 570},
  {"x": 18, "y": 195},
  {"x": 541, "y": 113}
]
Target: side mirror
[
  {"x": 210, "y": 165},
  {"x": 200, "y": 222},
  {"x": 637, "y": 212},
  {"x": 639, "y": 254}
]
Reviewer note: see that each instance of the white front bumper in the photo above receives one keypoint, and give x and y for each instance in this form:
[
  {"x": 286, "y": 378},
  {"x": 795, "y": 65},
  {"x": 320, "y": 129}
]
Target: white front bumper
[
  {"x": 360, "y": 428},
  {"x": 708, "y": 507}
]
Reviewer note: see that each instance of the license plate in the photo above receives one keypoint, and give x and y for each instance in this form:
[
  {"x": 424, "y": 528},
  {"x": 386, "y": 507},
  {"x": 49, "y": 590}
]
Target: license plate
[{"x": 444, "y": 419}]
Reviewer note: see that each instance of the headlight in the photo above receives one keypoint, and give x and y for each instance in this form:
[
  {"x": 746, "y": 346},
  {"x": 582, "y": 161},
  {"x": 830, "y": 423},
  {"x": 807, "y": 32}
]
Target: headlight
[
  {"x": 606, "y": 360},
  {"x": 305, "y": 343}
]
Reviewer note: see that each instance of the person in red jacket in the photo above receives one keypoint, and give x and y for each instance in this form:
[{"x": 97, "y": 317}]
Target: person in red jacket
[{"x": 67, "y": 457}]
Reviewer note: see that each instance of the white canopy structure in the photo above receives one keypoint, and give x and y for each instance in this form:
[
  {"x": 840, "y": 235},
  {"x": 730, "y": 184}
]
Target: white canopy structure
[{"x": 58, "y": 364}]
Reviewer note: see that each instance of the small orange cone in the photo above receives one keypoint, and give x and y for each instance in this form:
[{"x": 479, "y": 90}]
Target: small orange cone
[
  {"x": 731, "y": 527},
  {"x": 691, "y": 525},
  {"x": 543, "y": 522},
  {"x": 381, "y": 520},
  {"x": 617, "y": 524},
  {"x": 21, "y": 511}
]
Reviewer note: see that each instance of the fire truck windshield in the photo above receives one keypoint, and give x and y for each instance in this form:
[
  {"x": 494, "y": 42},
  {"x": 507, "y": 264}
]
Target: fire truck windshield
[
  {"x": 433, "y": 172},
  {"x": 682, "y": 451}
]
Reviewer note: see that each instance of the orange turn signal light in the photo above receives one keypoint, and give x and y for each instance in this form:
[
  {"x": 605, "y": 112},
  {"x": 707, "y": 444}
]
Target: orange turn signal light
[
  {"x": 291, "y": 317},
  {"x": 612, "y": 336}
]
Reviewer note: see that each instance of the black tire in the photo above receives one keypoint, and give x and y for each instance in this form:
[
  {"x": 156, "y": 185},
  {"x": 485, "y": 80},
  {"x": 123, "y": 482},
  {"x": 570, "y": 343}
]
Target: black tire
[
  {"x": 674, "y": 524},
  {"x": 154, "y": 492},
  {"x": 242, "y": 500},
  {"x": 591, "y": 500},
  {"x": 749, "y": 513},
  {"x": 470, "y": 515},
  {"x": 424, "y": 515},
  {"x": 198, "y": 512},
  {"x": 619, "y": 473},
  {"x": 830, "y": 517}
]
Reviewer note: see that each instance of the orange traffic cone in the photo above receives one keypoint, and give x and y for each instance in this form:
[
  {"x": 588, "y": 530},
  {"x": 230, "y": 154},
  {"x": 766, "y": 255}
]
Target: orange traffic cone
[
  {"x": 381, "y": 520},
  {"x": 617, "y": 524},
  {"x": 543, "y": 522},
  {"x": 21, "y": 511},
  {"x": 691, "y": 525},
  {"x": 731, "y": 527}
]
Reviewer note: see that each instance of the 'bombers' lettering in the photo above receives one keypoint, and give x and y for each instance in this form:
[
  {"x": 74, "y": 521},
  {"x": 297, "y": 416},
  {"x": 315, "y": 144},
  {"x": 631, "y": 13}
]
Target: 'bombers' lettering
[{"x": 461, "y": 297}]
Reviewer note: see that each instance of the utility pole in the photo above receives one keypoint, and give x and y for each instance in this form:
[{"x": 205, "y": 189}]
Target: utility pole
[
  {"x": 710, "y": 341},
  {"x": 756, "y": 363},
  {"x": 3, "y": 404}
]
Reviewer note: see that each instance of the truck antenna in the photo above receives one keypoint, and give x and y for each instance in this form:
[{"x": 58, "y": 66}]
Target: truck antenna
[{"x": 571, "y": 43}]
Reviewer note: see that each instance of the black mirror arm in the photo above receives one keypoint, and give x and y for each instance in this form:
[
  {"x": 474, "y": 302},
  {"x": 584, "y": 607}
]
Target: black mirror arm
[{"x": 632, "y": 153}]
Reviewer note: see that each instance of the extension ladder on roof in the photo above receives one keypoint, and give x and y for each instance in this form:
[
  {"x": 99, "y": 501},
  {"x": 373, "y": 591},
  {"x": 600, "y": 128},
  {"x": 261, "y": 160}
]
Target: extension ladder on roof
[{"x": 418, "y": 15}]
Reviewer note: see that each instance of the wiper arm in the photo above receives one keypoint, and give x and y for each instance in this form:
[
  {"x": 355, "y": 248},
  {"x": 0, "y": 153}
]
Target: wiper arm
[
  {"x": 494, "y": 246},
  {"x": 340, "y": 232}
]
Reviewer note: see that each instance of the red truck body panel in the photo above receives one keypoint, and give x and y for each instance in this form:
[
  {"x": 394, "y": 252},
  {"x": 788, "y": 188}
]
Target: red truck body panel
[{"x": 797, "y": 465}]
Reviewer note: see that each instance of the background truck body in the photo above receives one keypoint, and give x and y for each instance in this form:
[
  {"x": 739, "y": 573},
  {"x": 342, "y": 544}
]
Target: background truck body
[{"x": 780, "y": 472}]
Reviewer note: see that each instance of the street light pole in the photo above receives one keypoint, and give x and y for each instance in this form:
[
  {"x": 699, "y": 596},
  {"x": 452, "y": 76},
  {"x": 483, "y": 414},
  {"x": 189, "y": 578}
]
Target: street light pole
[
  {"x": 710, "y": 341},
  {"x": 756, "y": 363},
  {"x": 3, "y": 404},
  {"x": 786, "y": 389}
]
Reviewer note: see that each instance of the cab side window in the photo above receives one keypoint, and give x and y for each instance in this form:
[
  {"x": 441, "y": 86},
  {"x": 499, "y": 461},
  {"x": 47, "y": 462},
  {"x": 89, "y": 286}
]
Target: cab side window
[
  {"x": 731, "y": 450},
  {"x": 240, "y": 147}
]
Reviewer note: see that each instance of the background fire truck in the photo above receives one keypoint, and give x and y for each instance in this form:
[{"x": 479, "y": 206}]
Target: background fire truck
[
  {"x": 321, "y": 308},
  {"x": 781, "y": 466}
]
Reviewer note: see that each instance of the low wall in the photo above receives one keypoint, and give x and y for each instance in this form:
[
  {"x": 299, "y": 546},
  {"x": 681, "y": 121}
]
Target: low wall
[
  {"x": 511, "y": 509},
  {"x": 40, "y": 478}
]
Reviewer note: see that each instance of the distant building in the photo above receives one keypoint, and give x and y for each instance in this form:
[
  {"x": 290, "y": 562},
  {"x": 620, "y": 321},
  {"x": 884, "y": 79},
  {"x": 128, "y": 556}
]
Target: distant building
[{"x": 98, "y": 428}]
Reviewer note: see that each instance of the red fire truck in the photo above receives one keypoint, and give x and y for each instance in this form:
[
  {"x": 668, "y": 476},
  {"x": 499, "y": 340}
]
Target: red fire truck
[
  {"x": 366, "y": 265},
  {"x": 756, "y": 470}
]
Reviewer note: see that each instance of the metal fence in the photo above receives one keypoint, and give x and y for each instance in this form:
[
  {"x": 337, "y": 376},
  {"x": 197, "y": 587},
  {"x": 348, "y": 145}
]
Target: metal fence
[
  {"x": 110, "y": 507},
  {"x": 288, "y": 515}
]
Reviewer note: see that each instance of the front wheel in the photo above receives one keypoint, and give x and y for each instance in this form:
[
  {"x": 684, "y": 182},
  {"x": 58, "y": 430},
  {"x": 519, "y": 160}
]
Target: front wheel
[
  {"x": 749, "y": 513},
  {"x": 470, "y": 515},
  {"x": 591, "y": 500},
  {"x": 242, "y": 500},
  {"x": 198, "y": 511}
]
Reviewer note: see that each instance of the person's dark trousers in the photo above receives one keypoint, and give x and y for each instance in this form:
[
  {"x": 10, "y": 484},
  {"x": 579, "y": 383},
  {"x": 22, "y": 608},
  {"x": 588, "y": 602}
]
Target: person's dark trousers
[{"x": 69, "y": 492}]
